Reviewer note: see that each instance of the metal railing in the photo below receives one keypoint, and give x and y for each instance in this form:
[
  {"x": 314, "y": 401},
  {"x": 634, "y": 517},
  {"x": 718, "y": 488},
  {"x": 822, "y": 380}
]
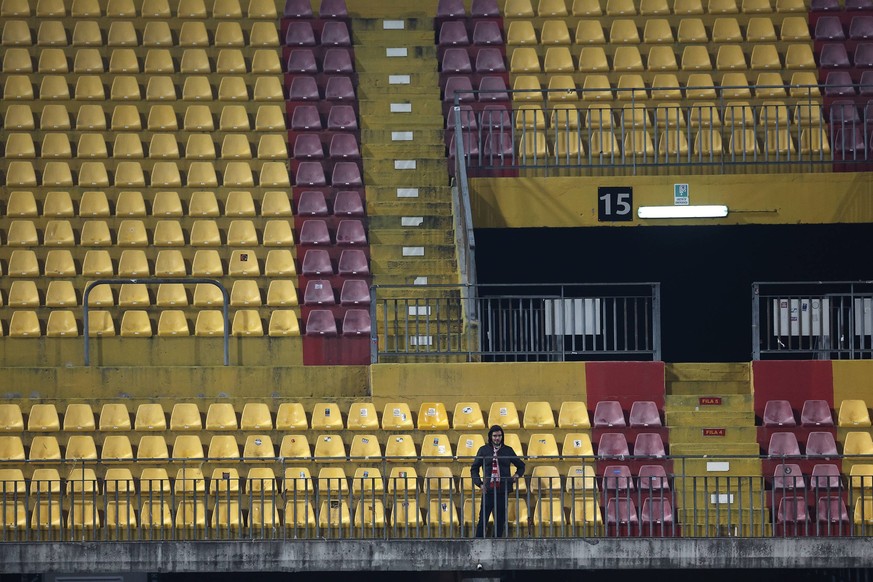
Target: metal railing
[
  {"x": 384, "y": 498},
  {"x": 812, "y": 320},
  {"x": 520, "y": 323},
  {"x": 781, "y": 126}
]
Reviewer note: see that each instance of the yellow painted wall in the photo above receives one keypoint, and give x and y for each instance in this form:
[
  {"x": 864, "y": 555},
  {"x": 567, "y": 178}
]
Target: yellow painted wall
[
  {"x": 480, "y": 382},
  {"x": 751, "y": 199},
  {"x": 853, "y": 380}
]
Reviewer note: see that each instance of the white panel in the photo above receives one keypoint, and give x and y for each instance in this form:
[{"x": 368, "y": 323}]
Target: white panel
[
  {"x": 401, "y": 108},
  {"x": 419, "y": 311},
  {"x": 421, "y": 340},
  {"x": 398, "y": 79},
  {"x": 411, "y": 220},
  {"x": 393, "y": 25},
  {"x": 420, "y": 281},
  {"x": 802, "y": 316},
  {"x": 718, "y": 467},
  {"x": 413, "y": 251},
  {"x": 573, "y": 316},
  {"x": 407, "y": 192},
  {"x": 721, "y": 498},
  {"x": 401, "y": 136},
  {"x": 405, "y": 164},
  {"x": 396, "y": 52},
  {"x": 864, "y": 316}
]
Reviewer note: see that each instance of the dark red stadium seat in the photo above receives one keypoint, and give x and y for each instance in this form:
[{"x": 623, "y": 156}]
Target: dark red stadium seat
[
  {"x": 816, "y": 413},
  {"x": 834, "y": 56},
  {"x": 321, "y": 323},
  {"x": 301, "y": 61},
  {"x": 621, "y": 515},
  {"x": 305, "y": 118},
  {"x": 316, "y": 262},
  {"x": 339, "y": 89},
  {"x": 297, "y": 9},
  {"x": 612, "y": 444},
  {"x": 490, "y": 60},
  {"x": 649, "y": 444},
  {"x": 307, "y": 146},
  {"x": 824, "y": 5},
  {"x": 348, "y": 203},
  {"x": 456, "y": 60},
  {"x": 314, "y": 232},
  {"x": 617, "y": 480},
  {"x": 346, "y": 175},
  {"x": 337, "y": 61},
  {"x": 859, "y": 4},
  {"x": 342, "y": 118},
  {"x": 350, "y": 232},
  {"x": 487, "y": 32},
  {"x": 356, "y": 322},
  {"x": 310, "y": 174},
  {"x": 821, "y": 444},
  {"x": 492, "y": 89},
  {"x": 654, "y": 478},
  {"x": 303, "y": 89},
  {"x": 318, "y": 292},
  {"x": 335, "y": 33},
  {"x": 656, "y": 511},
  {"x": 844, "y": 113},
  {"x": 460, "y": 86},
  {"x": 333, "y": 9},
  {"x": 312, "y": 203},
  {"x": 467, "y": 115},
  {"x": 861, "y": 27},
  {"x": 471, "y": 144},
  {"x": 484, "y": 9},
  {"x": 849, "y": 143},
  {"x": 788, "y": 477},
  {"x": 644, "y": 413},
  {"x": 608, "y": 413},
  {"x": 792, "y": 515},
  {"x": 353, "y": 262},
  {"x": 778, "y": 413},
  {"x": 829, "y": 28},
  {"x": 299, "y": 33},
  {"x": 498, "y": 146},
  {"x": 826, "y": 479},
  {"x": 450, "y": 9},
  {"x": 344, "y": 146},
  {"x": 865, "y": 84},
  {"x": 783, "y": 444},
  {"x": 864, "y": 55},
  {"x": 831, "y": 513},
  {"x": 838, "y": 83},
  {"x": 355, "y": 292},
  {"x": 453, "y": 33}
]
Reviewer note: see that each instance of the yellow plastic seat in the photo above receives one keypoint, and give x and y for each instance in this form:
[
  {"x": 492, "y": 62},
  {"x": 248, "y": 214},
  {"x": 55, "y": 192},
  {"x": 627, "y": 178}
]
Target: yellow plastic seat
[
  {"x": 554, "y": 32},
  {"x": 326, "y": 416},
  {"x": 52, "y": 33},
  {"x": 765, "y": 56},
  {"x": 362, "y": 416},
  {"x": 624, "y": 32},
  {"x": 521, "y": 32},
  {"x": 247, "y": 322},
  {"x": 691, "y": 30},
  {"x": 22, "y": 263},
  {"x": 79, "y": 417},
  {"x": 538, "y": 415},
  {"x": 760, "y": 29},
  {"x": 467, "y": 415},
  {"x": 283, "y": 323},
  {"x": 24, "y": 294},
  {"x": 400, "y": 448},
  {"x": 525, "y": 60},
  {"x": 858, "y": 443},
  {"x": 794, "y": 28},
  {"x": 114, "y": 416},
  {"x": 468, "y": 446},
  {"x": 245, "y": 294},
  {"x": 43, "y": 418},
  {"x": 44, "y": 448},
  {"x": 436, "y": 448},
  {"x": 799, "y": 56},
  {"x": 432, "y": 416},
  {"x": 756, "y": 7},
  {"x": 173, "y": 323},
  {"x": 221, "y": 416},
  {"x": 81, "y": 448},
  {"x": 11, "y": 419},
  {"x": 853, "y": 413},
  {"x": 576, "y": 444},
  {"x": 329, "y": 448},
  {"x": 291, "y": 416},
  {"x": 397, "y": 416},
  {"x": 504, "y": 414},
  {"x": 573, "y": 414},
  {"x": 229, "y": 34},
  {"x": 185, "y": 416},
  {"x": 518, "y": 9},
  {"x": 14, "y": 8},
  {"x": 722, "y": 7},
  {"x": 592, "y": 59},
  {"x": 222, "y": 447},
  {"x": 122, "y": 60},
  {"x": 256, "y": 416},
  {"x": 589, "y": 32},
  {"x": 21, "y": 204},
  {"x": 542, "y": 445},
  {"x": 93, "y": 204},
  {"x": 207, "y": 263},
  {"x": 11, "y": 448},
  {"x": 150, "y": 417},
  {"x": 16, "y": 33}
]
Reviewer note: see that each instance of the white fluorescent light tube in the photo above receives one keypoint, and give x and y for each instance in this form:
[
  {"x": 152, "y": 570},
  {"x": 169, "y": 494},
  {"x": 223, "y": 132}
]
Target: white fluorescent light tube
[{"x": 712, "y": 211}]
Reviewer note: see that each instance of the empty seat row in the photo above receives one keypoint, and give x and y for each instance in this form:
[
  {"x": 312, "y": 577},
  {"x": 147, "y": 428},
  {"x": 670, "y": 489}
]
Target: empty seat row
[
  {"x": 149, "y": 9},
  {"x": 790, "y": 477},
  {"x": 243, "y": 293},
  {"x": 326, "y": 87},
  {"x": 835, "y": 56},
  {"x": 93, "y": 117},
  {"x": 548, "y": 8},
  {"x": 831, "y": 28},
  {"x": 163, "y": 174},
  {"x": 341, "y": 146},
  {"x": 137, "y": 323},
  {"x": 88, "y": 33},
  {"x": 301, "y": 33},
  {"x": 348, "y": 232},
  {"x": 156, "y": 61},
  {"x": 842, "y": 84},
  {"x": 166, "y": 263},
  {"x": 335, "y": 61},
  {"x": 160, "y": 146},
  {"x": 339, "y": 118},
  {"x": 169, "y": 232},
  {"x": 327, "y": 9},
  {"x": 819, "y": 443},
  {"x": 113, "y": 416},
  {"x": 613, "y": 445},
  {"x": 128, "y": 88},
  {"x": 814, "y": 413},
  {"x": 96, "y": 204}
]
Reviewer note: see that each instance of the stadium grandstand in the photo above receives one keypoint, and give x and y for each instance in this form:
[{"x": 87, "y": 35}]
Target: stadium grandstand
[{"x": 269, "y": 269}]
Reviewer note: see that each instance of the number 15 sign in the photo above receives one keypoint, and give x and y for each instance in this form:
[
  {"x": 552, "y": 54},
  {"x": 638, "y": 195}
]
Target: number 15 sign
[{"x": 615, "y": 204}]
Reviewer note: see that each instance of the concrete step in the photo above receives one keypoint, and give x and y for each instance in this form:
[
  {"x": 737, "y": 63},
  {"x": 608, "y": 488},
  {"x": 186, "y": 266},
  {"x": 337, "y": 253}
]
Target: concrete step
[
  {"x": 411, "y": 223},
  {"x": 405, "y": 179},
  {"x": 411, "y": 252},
  {"x": 408, "y": 207},
  {"x": 689, "y": 387},
  {"x": 371, "y": 85},
  {"x": 417, "y": 135},
  {"x": 713, "y": 402},
  {"x": 402, "y": 122},
  {"x": 405, "y": 271},
  {"x": 387, "y": 172},
  {"x": 422, "y": 54},
  {"x": 707, "y": 418},
  {"x": 711, "y": 436},
  {"x": 448, "y": 277},
  {"x": 703, "y": 467},
  {"x": 429, "y": 237},
  {"x": 395, "y": 106},
  {"x": 404, "y": 150},
  {"x": 407, "y": 193},
  {"x": 712, "y": 372}
]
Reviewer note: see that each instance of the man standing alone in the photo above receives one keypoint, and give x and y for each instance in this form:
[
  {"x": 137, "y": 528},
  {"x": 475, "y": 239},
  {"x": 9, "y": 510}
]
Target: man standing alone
[{"x": 494, "y": 459}]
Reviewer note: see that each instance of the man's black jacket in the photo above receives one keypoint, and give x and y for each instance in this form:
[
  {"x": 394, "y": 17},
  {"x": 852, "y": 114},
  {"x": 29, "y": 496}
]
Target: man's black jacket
[{"x": 505, "y": 458}]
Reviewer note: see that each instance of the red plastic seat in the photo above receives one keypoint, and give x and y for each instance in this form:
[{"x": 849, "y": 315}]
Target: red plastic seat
[
  {"x": 299, "y": 33},
  {"x": 303, "y": 89},
  {"x": 355, "y": 292},
  {"x": 490, "y": 60},
  {"x": 456, "y": 60},
  {"x": 649, "y": 444},
  {"x": 297, "y": 9},
  {"x": 826, "y": 479},
  {"x": 307, "y": 146},
  {"x": 864, "y": 55},
  {"x": 778, "y": 413},
  {"x": 356, "y": 322},
  {"x": 348, "y": 203},
  {"x": 333, "y": 9},
  {"x": 460, "y": 86},
  {"x": 351, "y": 232},
  {"x": 301, "y": 61},
  {"x": 644, "y": 413},
  {"x": 656, "y": 511},
  {"x": 608, "y": 413},
  {"x": 453, "y": 33},
  {"x": 839, "y": 83},
  {"x": 487, "y": 32},
  {"x": 654, "y": 478},
  {"x": 314, "y": 232},
  {"x": 321, "y": 323},
  {"x": 305, "y": 118},
  {"x": 831, "y": 510},
  {"x": 312, "y": 203},
  {"x": 335, "y": 33},
  {"x": 310, "y": 174},
  {"x": 612, "y": 444},
  {"x": 344, "y": 146},
  {"x": 339, "y": 89},
  {"x": 451, "y": 9},
  {"x": 492, "y": 89},
  {"x": 498, "y": 146},
  {"x": 793, "y": 514},
  {"x": 318, "y": 292},
  {"x": 337, "y": 61},
  {"x": 484, "y": 9},
  {"x": 788, "y": 477},
  {"x": 495, "y": 116},
  {"x": 342, "y": 118},
  {"x": 346, "y": 174},
  {"x": 316, "y": 262},
  {"x": 617, "y": 479},
  {"x": 470, "y": 141},
  {"x": 834, "y": 56},
  {"x": 821, "y": 444},
  {"x": 829, "y": 28},
  {"x": 353, "y": 262},
  {"x": 783, "y": 444},
  {"x": 621, "y": 512},
  {"x": 861, "y": 27},
  {"x": 816, "y": 413}
]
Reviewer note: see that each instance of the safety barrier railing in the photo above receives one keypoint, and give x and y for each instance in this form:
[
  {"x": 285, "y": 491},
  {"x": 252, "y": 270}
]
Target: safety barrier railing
[
  {"x": 386, "y": 498},
  {"x": 812, "y": 320},
  {"x": 645, "y": 130},
  {"x": 519, "y": 322}
]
